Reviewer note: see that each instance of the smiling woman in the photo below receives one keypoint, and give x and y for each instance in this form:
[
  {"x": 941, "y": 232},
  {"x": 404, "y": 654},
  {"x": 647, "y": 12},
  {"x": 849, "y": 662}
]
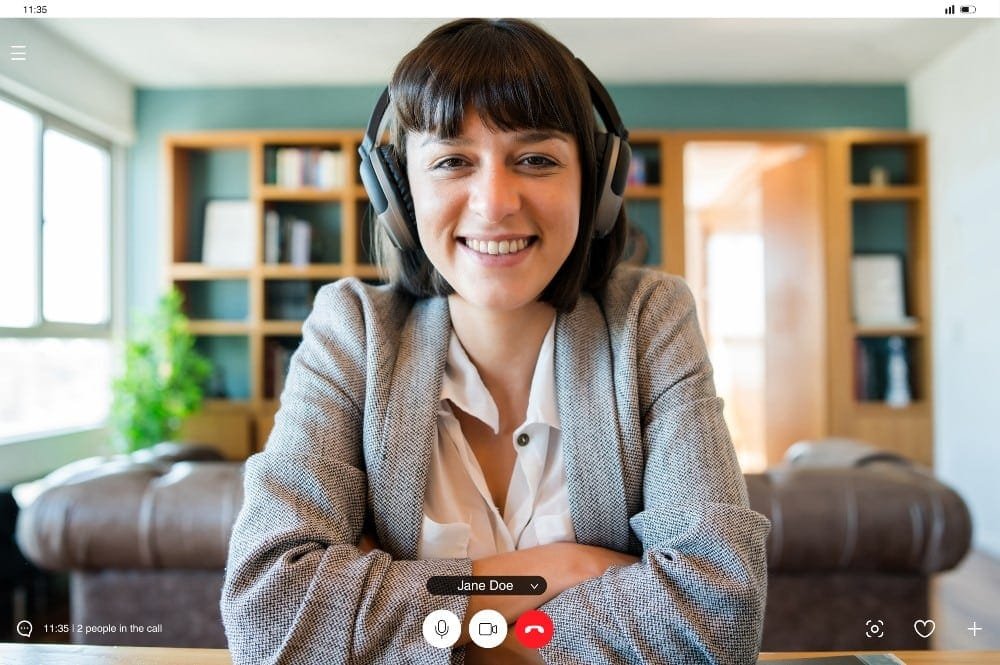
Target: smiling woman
[
  {"x": 512, "y": 403},
  {"x": 479, "y": 197}
]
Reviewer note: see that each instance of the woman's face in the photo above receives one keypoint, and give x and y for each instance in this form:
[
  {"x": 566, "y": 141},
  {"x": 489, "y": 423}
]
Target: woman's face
[{"x": 497, "y": 211}]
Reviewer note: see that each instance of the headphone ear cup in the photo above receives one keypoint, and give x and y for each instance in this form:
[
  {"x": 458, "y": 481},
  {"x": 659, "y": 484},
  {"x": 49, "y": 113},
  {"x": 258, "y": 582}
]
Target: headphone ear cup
[
  {"x": 620, "y": 177},
  {"x": 398, "y": 218},
  {"x": 611, "y": 178}
]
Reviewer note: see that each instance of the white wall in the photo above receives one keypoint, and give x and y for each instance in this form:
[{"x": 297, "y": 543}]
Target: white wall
[
  {"x": 59, "y": 78},
  {"x": 955, "y": 100}
]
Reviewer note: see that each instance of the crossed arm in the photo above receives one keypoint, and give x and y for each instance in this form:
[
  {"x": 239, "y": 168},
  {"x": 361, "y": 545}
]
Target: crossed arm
[{"x": 298, "y": 589}]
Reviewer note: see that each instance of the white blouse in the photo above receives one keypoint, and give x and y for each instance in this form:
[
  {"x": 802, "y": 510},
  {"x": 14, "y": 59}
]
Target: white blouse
[{"x": 460, "y": 519}]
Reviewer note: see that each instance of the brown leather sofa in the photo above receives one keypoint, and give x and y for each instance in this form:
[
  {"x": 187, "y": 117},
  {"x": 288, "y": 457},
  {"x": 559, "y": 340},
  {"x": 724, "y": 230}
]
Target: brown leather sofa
[{"x": 856, "y": 536}]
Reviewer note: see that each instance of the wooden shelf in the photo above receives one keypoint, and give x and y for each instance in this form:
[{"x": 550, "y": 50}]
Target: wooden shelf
[
  {"x": 915, "y": 330},
  {"x": 643, "y": 192},
  {"x": 224, "y": 328},
  {"x": 917, "y": 408},
  {"x": 888, "y": 193},
  {"x": 313, "y": 271},
  {"x": 366, "y": 271},
  {"x": 282, "y": 328},
  {"x": 200, "y": 271},
  {"x": 311, "y": 194}
]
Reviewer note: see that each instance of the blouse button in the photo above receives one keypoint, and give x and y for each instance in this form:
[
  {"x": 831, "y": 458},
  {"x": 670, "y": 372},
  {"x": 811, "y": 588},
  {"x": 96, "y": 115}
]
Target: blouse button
[{"x": 523, "y": 439}]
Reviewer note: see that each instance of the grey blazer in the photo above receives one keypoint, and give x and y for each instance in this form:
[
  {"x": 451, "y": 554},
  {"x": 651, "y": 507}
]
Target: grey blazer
[{"x": 649, "y": 465}]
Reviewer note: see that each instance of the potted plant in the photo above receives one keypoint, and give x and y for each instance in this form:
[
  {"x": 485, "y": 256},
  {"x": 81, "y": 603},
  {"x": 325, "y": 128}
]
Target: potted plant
[{"x": 163, "y": 379}]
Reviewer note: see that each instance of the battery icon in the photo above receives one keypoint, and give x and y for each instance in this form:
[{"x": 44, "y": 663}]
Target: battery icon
[{"x": 968, "y": 9}]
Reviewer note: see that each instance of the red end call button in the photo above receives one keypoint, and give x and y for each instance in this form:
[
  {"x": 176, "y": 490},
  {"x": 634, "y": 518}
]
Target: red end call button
[{"x": 533, "y": 629}]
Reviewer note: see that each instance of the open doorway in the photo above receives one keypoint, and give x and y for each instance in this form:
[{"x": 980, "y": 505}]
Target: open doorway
[{"x": 754, "y": 260}]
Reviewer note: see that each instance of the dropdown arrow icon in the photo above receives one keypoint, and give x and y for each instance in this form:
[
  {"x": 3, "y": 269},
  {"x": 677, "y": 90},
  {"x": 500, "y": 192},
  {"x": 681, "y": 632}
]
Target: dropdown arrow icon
[{"x": 534, "y": 586}]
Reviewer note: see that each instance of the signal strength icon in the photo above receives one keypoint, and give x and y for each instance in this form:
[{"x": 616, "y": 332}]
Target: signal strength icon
[
  {"x": 18, "y": 52},
  {"x": 949, "y": 10}
]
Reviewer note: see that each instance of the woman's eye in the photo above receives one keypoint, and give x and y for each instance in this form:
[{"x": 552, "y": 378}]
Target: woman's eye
[
  {"x": 449, "y": 163},
  {"x": 538, "y": 161}
]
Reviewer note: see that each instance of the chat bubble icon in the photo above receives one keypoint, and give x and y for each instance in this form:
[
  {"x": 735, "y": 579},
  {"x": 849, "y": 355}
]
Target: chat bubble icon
[{"x": 24, "y": 628}]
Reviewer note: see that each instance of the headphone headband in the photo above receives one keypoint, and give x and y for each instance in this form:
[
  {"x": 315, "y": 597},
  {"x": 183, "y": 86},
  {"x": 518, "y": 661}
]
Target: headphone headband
[{"x": 601, "y": 100}]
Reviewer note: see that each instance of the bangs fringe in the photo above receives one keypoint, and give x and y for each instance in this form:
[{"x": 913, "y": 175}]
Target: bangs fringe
[{"x": 511, "y": 80}]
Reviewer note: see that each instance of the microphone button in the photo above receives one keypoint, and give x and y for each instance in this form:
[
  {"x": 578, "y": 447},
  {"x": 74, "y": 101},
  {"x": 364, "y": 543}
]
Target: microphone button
[{"x": 441, "y": 629}]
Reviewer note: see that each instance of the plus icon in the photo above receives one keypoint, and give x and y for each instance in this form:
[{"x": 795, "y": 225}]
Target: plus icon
[{"x": 974, "y": 628}]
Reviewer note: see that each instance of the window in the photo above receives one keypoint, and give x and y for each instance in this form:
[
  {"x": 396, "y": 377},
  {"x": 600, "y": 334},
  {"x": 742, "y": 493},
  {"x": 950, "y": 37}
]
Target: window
[{"x": 55, "y": 281}]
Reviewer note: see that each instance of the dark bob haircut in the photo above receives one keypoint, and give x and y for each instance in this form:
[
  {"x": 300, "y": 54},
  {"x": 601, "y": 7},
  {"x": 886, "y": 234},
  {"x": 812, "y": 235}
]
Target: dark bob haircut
[{"x": 515, "y": 76}]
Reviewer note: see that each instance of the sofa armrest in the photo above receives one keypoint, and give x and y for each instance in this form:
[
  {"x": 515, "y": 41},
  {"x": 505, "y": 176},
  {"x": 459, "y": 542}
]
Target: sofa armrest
[
  {"x": 884, "y": 515},
  {"x": 136, "y": 515}
]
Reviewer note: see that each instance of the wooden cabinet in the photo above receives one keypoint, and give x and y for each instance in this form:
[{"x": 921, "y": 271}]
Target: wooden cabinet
[{"x": 878, "y": 209}]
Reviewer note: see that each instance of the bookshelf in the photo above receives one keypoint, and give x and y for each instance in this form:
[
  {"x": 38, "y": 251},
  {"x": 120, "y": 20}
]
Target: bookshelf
[
  {"x": 878, "y": 207},
  {"x": 248, "y": 319}
]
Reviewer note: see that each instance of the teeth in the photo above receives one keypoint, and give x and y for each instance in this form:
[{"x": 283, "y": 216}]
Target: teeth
[{"x": 496, "y": 248}]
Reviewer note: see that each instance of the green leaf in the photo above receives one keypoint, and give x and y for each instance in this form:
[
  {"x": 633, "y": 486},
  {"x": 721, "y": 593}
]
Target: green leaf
[{"x": 163, "y": 378}]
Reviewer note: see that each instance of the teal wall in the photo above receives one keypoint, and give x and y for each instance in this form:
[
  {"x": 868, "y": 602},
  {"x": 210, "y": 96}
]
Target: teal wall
[{"x": 647, "y": 107}]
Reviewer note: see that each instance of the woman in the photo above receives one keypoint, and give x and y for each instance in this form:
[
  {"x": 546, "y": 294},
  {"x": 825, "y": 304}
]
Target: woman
[{"x": 513, "y": 403}]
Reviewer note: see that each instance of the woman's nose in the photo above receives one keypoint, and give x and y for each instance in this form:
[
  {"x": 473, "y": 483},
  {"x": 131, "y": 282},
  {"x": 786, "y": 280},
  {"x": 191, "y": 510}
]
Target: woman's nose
[{"x": 494, "y": 192}]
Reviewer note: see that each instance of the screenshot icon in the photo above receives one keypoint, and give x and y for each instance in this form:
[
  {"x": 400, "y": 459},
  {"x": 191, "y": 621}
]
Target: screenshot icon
[{"x": 875, "y": 628}]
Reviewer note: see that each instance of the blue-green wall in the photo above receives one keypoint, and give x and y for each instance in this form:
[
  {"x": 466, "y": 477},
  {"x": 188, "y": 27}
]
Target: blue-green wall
[{"x": 647, "y": 107}]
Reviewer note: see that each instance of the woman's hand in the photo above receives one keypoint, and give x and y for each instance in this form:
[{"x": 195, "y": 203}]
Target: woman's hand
[
  {"x": 367, "y": 543},
  {"x": 593, "y": 561}
]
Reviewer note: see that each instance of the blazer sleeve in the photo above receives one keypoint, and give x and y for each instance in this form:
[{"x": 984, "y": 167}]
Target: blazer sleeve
[
  {"x": 297, "y": 589},
  {"x": 697, "y": 595}
]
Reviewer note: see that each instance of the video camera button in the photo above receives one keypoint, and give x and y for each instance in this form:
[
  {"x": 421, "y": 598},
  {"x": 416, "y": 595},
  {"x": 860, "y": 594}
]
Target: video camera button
[{"x": 488, "y": 628}]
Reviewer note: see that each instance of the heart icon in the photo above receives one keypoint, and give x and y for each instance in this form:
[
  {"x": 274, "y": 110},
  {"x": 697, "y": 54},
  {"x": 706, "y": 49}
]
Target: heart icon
[{"x": 924, "y": 627}]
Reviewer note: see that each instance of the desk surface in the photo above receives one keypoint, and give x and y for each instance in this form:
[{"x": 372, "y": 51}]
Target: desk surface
[{"x": 70, "y": 654}]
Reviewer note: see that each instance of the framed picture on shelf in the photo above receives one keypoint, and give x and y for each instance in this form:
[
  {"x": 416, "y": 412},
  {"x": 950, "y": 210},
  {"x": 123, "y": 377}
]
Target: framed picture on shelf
[
  {"x": 878, "y": 291},
  {"x": 229, "y": 240}
]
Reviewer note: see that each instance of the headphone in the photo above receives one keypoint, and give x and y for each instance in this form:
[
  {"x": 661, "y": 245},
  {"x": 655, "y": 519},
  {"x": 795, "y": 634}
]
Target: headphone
[{"x": 388, "y": 190}]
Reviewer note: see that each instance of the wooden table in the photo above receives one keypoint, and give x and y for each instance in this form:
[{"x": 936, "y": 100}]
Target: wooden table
[
  {"x": 908, "y": 657},
  {"x": 70, "y": 654}
]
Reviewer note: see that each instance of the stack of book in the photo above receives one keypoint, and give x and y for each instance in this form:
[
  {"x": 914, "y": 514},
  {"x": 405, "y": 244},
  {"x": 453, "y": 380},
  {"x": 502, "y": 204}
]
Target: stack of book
[
  {"x": 287, "y": 239},
  {"x": 877, "y": 375},
  {"x": 308, "y": 167}
]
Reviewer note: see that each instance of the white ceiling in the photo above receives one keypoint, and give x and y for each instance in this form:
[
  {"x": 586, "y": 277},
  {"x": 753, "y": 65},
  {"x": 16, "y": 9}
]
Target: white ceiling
[{"x": 154, "y": 53}]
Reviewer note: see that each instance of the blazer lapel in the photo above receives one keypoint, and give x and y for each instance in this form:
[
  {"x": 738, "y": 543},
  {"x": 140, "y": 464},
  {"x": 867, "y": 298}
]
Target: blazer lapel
[
  {"x": 398, "y": 475},
  {"x": 588, "y": 420}
]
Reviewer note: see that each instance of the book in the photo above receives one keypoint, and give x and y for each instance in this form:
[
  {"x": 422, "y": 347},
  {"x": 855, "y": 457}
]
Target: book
[
  {"x": 878, "y": 290},
  {"x": 289, "y": 163},
  {"x": 637, "y": 169},
  {"x": 272, "y": 237},
  {"x": 860, "y": 659},
  {"x": 300, "y": 242},
  {"x": 279, "y": 355},
  {"x": 329, "y": 169},
  {"x": 229, "y": 240}
]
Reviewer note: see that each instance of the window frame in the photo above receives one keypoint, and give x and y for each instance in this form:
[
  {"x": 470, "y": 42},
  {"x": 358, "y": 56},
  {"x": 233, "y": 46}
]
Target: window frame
[{"x": 110, "y": 329}]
